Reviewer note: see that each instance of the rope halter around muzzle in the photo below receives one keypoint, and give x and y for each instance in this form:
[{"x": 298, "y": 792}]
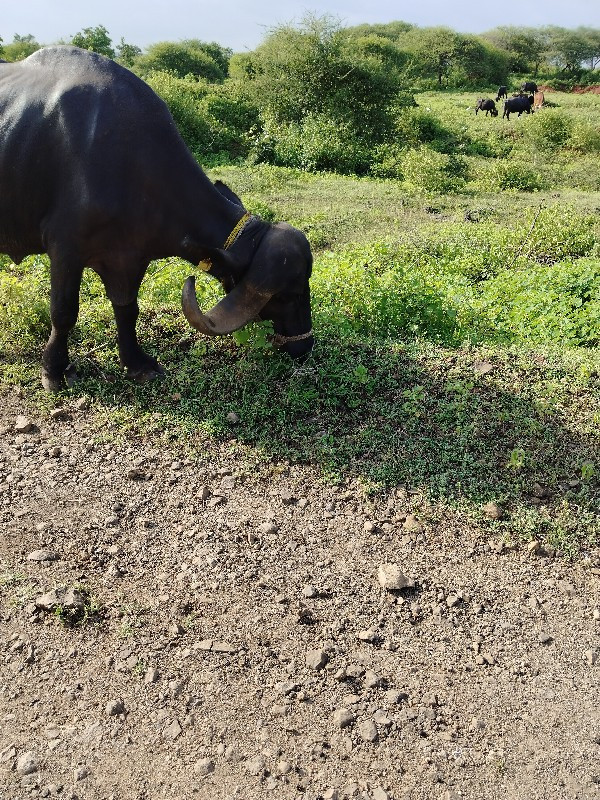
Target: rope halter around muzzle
[{"x": 277, "y": 339}]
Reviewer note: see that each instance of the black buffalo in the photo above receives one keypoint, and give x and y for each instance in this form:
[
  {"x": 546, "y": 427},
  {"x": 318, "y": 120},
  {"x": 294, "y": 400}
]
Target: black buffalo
[
  {"x": 94, "y": 172},
  {"x": 518, "y": 105},
  {"x": 529, "y": 86},
  {"x": 486, "y": 105},
  {"x": 502, "y": 92}
]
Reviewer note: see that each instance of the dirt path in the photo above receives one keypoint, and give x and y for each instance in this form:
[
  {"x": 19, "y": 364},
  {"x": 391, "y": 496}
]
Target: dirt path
[{"x": 234, "y": 640}]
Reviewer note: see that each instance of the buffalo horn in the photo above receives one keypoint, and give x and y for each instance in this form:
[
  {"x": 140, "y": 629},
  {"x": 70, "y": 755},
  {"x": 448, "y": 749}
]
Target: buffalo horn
[{"x": 235, "y": 310}]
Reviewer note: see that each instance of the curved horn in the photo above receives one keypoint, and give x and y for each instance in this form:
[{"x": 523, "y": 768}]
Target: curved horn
[{"x": 230, "y": 314}]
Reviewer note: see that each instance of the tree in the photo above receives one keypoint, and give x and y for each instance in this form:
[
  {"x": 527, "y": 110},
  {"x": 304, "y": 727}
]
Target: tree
[
  {"x": 592, "y": 39},
  {"x": 21, "y": 47},
  {"x": 525, "y": 47},
  {"x": 96, "y": 39},
  {"x": 181, "y": 59},
  {"x": 127, "y": 53},
  {"x": 568, "y": 49},
  {"x": 432, "y": 52}
]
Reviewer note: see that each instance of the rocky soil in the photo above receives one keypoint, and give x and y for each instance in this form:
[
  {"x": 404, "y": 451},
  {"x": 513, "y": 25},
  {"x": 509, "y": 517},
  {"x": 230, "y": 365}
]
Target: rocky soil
[{"x": 203, "y": 625}]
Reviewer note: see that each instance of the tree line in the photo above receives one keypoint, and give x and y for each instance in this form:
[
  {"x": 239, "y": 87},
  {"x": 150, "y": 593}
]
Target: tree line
[{"x": 318, "y": 95}]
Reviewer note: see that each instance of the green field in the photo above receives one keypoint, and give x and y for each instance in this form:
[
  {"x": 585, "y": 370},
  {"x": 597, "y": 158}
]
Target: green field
[{"x": 456, "y": 304}]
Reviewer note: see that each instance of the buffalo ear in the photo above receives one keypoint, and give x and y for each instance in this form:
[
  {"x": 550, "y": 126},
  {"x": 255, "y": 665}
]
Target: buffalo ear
[{"x": 228, "y": 193}]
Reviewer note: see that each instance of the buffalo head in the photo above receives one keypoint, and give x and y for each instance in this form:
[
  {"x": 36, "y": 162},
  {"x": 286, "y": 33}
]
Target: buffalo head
[{"x": 272, "y": 285}]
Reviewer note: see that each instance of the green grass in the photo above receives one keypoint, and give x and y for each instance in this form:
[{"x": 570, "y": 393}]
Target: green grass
[{"x": 411, "y": 291}]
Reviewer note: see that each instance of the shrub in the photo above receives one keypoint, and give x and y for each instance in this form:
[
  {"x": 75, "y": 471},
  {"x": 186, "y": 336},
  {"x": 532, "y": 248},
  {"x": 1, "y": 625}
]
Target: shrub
[
  {"x": 370, "y": 291},
  {"x": 428, "y": 171},
  {"x": 549, "y": 130},
  {"x": 557, "y": 303},
  {"x": 512, "y": 175}
]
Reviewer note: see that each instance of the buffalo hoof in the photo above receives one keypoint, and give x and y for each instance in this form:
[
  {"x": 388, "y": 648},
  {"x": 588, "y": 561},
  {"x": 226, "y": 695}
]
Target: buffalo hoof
[
  {"x": 58, "y": 383},
  {"x": 146, "y": 374}
]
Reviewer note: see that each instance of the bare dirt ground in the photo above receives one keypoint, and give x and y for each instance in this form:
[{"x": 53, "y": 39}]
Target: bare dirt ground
[{"x": 224, "y": 633}]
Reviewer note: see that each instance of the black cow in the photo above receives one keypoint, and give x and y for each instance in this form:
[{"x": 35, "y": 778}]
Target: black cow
[
  {"x": 529, "y": 86},
  {"x": 94, "y": 172},
  {"x": 502, "y": 92},
  {"x": 518, "y": 105},
  {"x": 486, "y": 105}
]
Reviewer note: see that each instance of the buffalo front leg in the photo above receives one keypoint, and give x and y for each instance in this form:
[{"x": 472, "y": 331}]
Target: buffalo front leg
[
  {"x": 65, "y": 280},
  {"x": 139, "y": 365}
]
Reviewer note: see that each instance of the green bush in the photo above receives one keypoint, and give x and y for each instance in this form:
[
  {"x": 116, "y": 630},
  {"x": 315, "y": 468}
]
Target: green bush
[
  {"x": 549, "y": 129},
  {"x": 372, "y": 292},
  {"x": 318, "y": 143},
  {"x": 558, "y": 303},
  {"x": 512, "y": 175},
  {"x": 428, "y": 171},
  {"x": 24, "y": 306}
]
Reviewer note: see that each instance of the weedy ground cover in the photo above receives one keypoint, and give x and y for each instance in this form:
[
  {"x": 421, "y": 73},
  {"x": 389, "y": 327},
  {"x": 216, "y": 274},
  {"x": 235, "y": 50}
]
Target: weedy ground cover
[{"x": 457, "y": 332}]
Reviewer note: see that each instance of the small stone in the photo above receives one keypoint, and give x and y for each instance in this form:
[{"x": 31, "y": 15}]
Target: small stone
[
  {"x": 204, "y": 767},
  {"x": 372, "y": 679},
  {"x": 115, "y": 707},
  {"x": 23, "y": 425},
  {"x": 596, "y": 613},
  {"x": 42, "y": 555},
  {"x": 233, "y": 418},
  {"x": 452, "y": 600},
  {"x": 382, "y": 719},
  {"x": 542, "y": 492},
  {"x": 316, "y": 659},
  {"x": 380, "y": 794},
  {"x": 82, "y": 403},
  {"x": 391, "y": 578},
  {"x": 413, "y": 525},
  {"x": 255, "y": 766},
  {"x": 493, "y": 510},
  {"x": 368, "y": 731},
  {"x": 370, "y": 635},
  {"x": 172, "y": 731},
  {"x": 591, "y": 656},
  {"x": 343, "y": 717},
  {"x": 330, "y": 794},
  {"x": 545, "y": 638},
  {"x": 533, "y": 547},
  {"x": 224, "y": 647},
  {"x": 81, "y": 773},
  {"x": 28, "y": 763},
  {"x": 151, "y": 675},
  {"x": 393, "y": 696},
  {"x": 267, "y": 528},
  {"x": 482, "y": 367},
  {"x": 203, "y": 493},
  {"x": 309, "y": 591},
  {"x": 283, "y": 768},
  {"x": 370, "y": 527}
]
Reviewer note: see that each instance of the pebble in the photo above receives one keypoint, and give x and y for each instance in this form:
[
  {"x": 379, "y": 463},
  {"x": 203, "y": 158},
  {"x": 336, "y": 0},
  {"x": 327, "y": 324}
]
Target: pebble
[
  {"x": 255, "y": 765},
  {"x": 23, "y": 425},
  {"x": 81, "y": 773},
  {"x": 42, "y": 555},
  {"x": 233, "y": 418},
  {"x": 151, "y": 675},
  {"x": 267, "y": 528},
  {"x": 115, "y": 707},
  {"x": 28, "y": 763},
  {"x": 370, "y": 635},
  {"x": 367, "y": 731},
  {"x": 372, "y": 679},
  {"x": 204, "y": 767},
  {"x": 343, "y": 717},
  {"x": 412, "y": 524},
  {"x": 283, "y": 767},
  {"x": 172, "y": 731},
  {"x": 391, "y": 578},
  {"x": 380, "y": 794},
  {"x": 316, "y": 659},
  {"x": 309, "y": 591},
  {"x": 493, "y": 510}
]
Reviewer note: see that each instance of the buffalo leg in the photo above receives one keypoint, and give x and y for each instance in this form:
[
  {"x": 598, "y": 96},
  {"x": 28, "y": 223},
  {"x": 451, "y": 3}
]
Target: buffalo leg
[
  {"x": 139, "y": 365},
  {"x": 65, "y": 280}
]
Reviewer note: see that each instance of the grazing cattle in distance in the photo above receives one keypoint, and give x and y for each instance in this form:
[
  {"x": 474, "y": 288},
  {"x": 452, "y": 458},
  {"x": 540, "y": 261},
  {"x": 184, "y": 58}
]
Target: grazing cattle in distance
[
  {"x": 529, "y": 86},
  {"x": 538, "y": 100},
  {"x": 502, "y": 92},
  {"x": 95, "y": 173},
  {"x": 518, "y": 105},
  {"x": 486, "y": 105}
]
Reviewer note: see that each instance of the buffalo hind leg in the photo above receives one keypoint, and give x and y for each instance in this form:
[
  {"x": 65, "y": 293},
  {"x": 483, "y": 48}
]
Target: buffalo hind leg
[
  {"x": 139, "y": 365},
  {"x": 65, "y": 280}
]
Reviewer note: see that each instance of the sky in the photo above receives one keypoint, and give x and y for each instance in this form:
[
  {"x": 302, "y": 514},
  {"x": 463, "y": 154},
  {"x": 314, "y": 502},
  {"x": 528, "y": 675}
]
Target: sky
[{"x": 243, "y": 25}]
